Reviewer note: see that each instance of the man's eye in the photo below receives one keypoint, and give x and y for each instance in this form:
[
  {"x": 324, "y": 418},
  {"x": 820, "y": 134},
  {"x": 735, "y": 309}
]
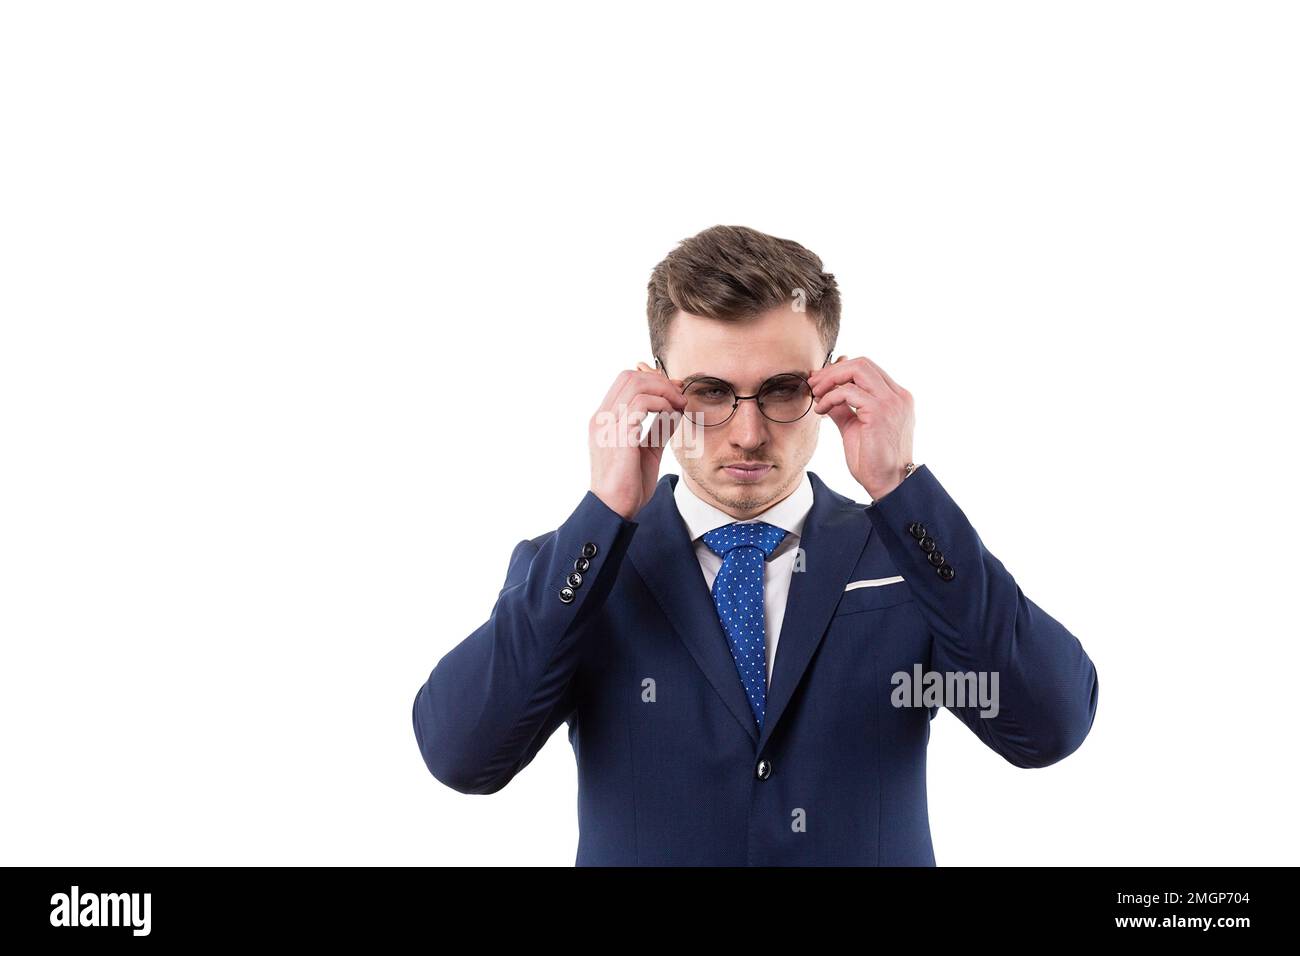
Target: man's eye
[{"x": 711, "y": 393}]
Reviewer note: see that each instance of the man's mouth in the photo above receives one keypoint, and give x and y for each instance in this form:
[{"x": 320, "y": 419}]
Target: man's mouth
[{"x": 747, "y": 470}]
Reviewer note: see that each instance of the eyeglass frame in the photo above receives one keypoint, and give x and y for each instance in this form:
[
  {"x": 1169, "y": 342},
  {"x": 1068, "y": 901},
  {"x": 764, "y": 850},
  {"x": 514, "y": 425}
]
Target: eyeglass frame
[{"x": 737, "y": 399}]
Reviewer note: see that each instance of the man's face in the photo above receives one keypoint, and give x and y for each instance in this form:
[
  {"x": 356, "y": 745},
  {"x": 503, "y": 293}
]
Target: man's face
[{"x": 745, "y": 354}]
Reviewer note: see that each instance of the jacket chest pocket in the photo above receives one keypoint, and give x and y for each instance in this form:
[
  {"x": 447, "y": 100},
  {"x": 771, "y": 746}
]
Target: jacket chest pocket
[{"x": 873, "y": 593}]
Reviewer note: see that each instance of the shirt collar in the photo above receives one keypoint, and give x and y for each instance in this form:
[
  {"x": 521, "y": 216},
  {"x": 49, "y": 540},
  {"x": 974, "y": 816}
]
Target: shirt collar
[{"x": 700, "y": 516}]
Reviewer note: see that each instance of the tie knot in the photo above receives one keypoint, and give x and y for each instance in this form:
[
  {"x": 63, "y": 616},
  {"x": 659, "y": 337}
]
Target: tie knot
[{"x": 739, "y": 534}]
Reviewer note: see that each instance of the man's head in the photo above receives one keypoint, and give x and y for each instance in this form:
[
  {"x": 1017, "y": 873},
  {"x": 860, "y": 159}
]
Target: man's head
[{"x": 738, "y": 305}]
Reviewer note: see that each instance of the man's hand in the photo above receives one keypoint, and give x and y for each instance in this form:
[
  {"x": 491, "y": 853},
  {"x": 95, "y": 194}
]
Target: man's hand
[
  {"x": 625, "y": 466},
  {"x": 875, "y": 417}
]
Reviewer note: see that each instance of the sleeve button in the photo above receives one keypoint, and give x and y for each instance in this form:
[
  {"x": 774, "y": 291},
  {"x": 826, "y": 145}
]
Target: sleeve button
[
  {"x": 946, "y": 572},
  {"x": 589, "y": 549},
  {"x": 566, "y": 595},
  {"x": 575, "y": 579}
]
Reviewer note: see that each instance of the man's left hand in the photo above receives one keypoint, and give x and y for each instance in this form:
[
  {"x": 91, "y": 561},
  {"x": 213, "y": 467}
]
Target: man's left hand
[{"x": 875, "y": 417}]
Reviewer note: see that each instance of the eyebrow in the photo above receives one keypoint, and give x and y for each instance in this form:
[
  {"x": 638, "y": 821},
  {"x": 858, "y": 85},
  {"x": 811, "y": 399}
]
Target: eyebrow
[{"x": 697, "y": 375}]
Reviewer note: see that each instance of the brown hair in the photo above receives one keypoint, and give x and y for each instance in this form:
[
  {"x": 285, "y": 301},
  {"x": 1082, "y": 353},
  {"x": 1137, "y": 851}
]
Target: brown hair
[{"x": 734, "y": 272}]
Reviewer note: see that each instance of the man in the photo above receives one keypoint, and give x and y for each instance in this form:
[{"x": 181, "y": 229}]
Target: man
[{"x": 727, "y": 646}]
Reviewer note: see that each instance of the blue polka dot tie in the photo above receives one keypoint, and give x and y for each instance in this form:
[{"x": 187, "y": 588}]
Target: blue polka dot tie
[{"x": 738, "y": 596}]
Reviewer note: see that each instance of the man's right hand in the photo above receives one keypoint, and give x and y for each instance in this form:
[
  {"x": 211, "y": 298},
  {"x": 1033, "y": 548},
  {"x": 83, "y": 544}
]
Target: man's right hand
[{"x": 625, "y": 467}]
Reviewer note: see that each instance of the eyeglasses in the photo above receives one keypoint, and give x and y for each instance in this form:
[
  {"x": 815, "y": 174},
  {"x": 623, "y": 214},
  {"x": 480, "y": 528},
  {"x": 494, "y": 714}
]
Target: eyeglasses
[{"x": 782, "y": 398}]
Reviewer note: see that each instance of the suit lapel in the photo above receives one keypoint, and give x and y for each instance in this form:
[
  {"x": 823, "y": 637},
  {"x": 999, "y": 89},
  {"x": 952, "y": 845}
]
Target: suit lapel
[
  {"x": 663, "y": 555},
  {"x": 834, "y": 535}
]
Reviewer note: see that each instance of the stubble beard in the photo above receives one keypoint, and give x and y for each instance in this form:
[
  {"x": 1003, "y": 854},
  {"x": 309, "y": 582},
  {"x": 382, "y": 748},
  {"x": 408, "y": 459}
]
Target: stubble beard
[{"x": 734, "y": 497}]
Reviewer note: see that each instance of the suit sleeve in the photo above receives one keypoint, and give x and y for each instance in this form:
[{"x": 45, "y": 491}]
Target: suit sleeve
[
  {"x": 496, "y": 697},
  {"x": 981, "y": 621}
]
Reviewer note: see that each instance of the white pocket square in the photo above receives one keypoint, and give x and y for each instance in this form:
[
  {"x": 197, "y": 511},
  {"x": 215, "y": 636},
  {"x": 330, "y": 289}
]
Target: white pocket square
[{"x": 872, "y": 582}]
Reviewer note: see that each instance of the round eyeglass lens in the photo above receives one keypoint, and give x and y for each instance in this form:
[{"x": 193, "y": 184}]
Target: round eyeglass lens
[{"x": 785, "y": 398}]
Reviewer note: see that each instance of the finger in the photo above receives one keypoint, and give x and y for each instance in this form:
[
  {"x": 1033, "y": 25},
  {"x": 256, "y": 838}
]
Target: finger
[
  {"x": 665, "y": 424},
  {"x": 643, "y": 367},
  {"x": 662, "y": 425},
  {"x": 849, "y": 394},
  {"x": 655, "y": 384},
  {"x": 662, "y": 428},
  {"x": 614, "y": 389},
  {"x": 649, "y": 383},
  {"x": 855, "y": 370},
  {"x": 643, "y": 403},
  {"x": 841, "y": 415},
  {"x": 875, "y": 382},
  {"x": 898, "y": 389}
]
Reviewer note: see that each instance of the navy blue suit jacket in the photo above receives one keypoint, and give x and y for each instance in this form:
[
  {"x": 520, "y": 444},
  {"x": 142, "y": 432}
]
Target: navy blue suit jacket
[{"x": 672, "y": 769}]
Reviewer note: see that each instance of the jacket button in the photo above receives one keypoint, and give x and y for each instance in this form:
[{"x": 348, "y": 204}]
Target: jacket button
[
  {"x": 927, "y": 544},
  {"x": 575, "y": 579},
  {"x": 566, "y": 595},
  {"x": 589, "y": 549},
  {"x": 946, "y": 572},
  {"x": 764, "y": 769},
  {"x": 916, "y": 530},
  {"x": 582, "y": 564},
  {"x": 936, "y": 558}
]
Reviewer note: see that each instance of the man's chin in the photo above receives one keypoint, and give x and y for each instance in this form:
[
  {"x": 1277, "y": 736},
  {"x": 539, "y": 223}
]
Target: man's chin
[{"x": 746, "y": 494}]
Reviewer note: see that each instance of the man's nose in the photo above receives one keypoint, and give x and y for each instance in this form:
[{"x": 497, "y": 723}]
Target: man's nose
[{"x": 747, "y": 428}]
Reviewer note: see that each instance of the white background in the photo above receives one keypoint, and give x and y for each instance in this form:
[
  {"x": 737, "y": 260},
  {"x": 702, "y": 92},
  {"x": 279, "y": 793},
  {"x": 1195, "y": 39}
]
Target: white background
[{"x": 306, "y": 307}]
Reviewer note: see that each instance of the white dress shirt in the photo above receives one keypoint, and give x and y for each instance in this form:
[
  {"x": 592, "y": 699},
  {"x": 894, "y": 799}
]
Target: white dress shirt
[{"x": 788, "y": 513}]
